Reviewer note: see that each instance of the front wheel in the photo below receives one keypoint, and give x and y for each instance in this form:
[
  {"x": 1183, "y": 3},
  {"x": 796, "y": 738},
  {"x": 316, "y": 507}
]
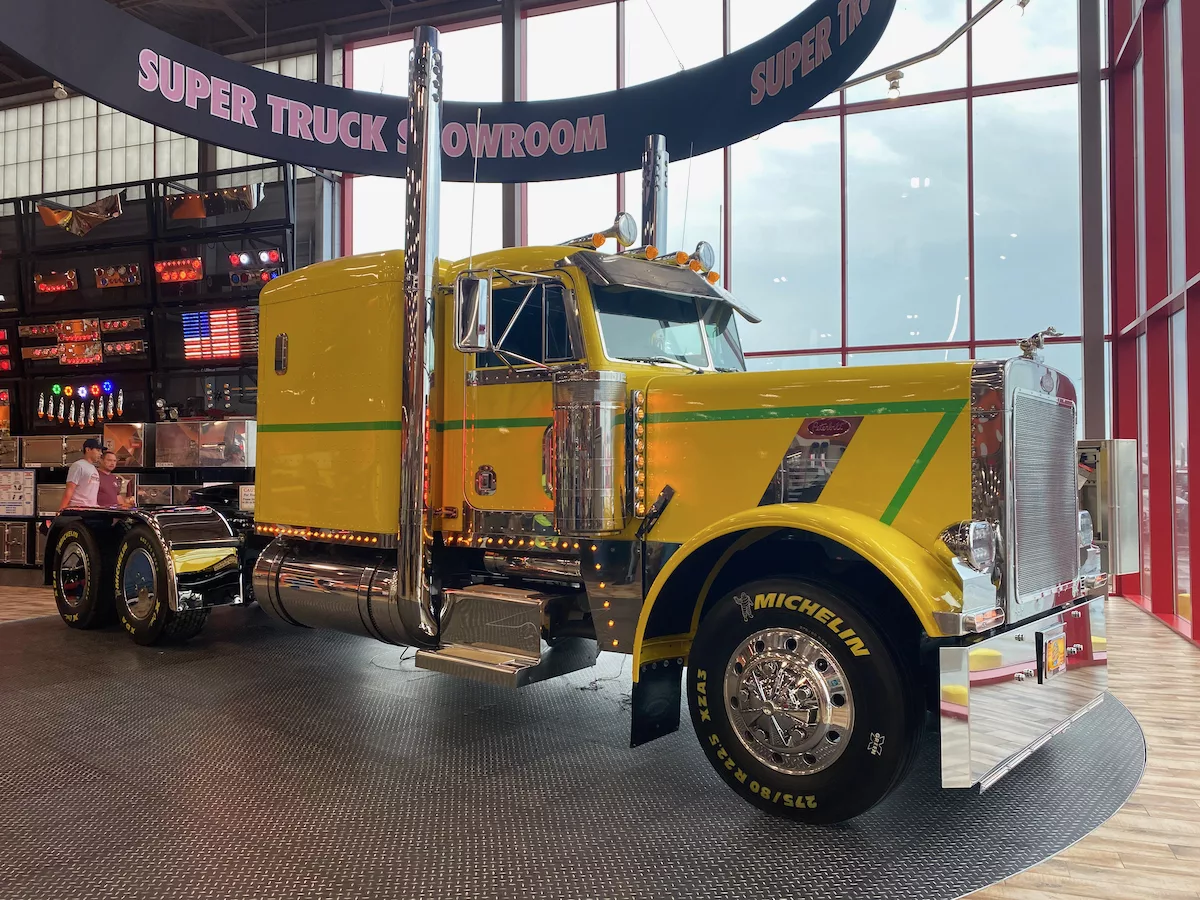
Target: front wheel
[{"x": 799, "y": 703}]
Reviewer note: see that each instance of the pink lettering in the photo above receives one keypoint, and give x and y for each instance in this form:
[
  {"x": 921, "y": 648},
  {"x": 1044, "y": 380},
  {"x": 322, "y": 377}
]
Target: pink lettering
[
  {"x": 792, "y": 55},
  {"x": 775, "y": 74},
  {"x": 513, "y": 136},
  {"x": 454, "y": 140},
  {"x": 278, "y": 106},
  {"x": 486, "y": 140},
  {"x": 824, "y": 29},
  {"x": 198, "y": 87},
  {"x": 148, "y": 77},
  {"x": 300, "y": 119},
  {"x": 172, "y": 79},
  {"x": 537, "y": 138},
  {"x": 590, "y": 134},
  {"x": 325, "y": 124},
  {"x": 807, "y": 59},
  {"x": 243, "y": 105},
  {"x": 562, "y": 137},
  {"x": 402, "y": 136},
  {"x": 372, "y": 133},
  {"x": 349, "y": 138},
  {"x": 758, "y": 84},
  {"x": 218, "y": 105}
]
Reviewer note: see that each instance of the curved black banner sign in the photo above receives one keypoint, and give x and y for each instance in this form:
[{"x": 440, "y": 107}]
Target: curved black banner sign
[{"x": 123, "y": 62}]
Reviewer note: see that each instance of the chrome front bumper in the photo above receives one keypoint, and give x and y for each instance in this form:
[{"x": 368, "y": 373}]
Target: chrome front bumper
[{"x": 996, "y": 705}]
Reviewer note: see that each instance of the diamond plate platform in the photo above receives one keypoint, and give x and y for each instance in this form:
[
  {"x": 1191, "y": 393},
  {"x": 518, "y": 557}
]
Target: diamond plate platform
[{"x": 260, "y": 762}]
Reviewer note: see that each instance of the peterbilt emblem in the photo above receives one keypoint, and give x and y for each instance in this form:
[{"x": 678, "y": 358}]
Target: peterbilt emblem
[
  {"x": 827, "y": 427},
  {"x": 746, "y": 602}
]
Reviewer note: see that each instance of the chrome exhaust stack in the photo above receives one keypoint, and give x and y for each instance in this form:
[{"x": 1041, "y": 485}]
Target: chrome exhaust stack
[
  {"x": 377, "y": 595},
  {"x": 422, "y": 188},
  {"x": 654, "y": 192}
]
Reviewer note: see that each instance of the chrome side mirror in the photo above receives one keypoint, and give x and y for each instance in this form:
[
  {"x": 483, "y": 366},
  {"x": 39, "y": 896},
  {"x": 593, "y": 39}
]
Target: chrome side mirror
[{"x": 472, "y": 314}]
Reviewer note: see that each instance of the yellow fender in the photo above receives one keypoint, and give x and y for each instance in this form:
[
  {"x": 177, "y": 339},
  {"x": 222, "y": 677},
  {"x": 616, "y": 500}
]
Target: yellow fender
[{"x": 927, "y": 583}]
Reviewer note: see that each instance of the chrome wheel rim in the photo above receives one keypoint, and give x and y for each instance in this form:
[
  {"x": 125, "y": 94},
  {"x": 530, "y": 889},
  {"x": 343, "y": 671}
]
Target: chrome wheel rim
[
  {"x": 139, "y": 583},
  {"x": 789, "y": 701},
  {"x": 74, "y": 570}
]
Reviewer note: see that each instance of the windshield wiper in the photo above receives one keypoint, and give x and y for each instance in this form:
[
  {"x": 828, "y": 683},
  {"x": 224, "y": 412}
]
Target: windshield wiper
[{"x": 664, "y": 359}]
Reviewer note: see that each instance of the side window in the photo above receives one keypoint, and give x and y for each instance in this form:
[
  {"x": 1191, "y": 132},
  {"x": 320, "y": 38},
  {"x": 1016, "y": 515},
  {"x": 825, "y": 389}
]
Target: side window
[
  {"x": 539, "y": 332},
  {"x": 558, "y": 335}
]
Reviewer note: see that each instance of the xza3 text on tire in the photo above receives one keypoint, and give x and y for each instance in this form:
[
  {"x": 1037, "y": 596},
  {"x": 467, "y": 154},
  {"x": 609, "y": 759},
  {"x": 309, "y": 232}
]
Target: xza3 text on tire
[
  {"x": 80, "y": 588},
  {"x": 799, "y": 702},
  {"x": 141, "y": 588}
]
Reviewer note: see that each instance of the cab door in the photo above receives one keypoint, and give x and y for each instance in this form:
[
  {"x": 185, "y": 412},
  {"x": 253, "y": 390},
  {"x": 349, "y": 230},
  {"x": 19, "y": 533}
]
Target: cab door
[{"x": 508, "y": 401}]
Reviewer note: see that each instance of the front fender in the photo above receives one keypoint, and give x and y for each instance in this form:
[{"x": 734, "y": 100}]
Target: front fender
[{"x": 927, "y": 583}]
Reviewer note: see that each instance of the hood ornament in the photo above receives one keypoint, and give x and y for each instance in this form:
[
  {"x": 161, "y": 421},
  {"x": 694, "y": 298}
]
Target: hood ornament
[{"x": 1032, "y": 347}]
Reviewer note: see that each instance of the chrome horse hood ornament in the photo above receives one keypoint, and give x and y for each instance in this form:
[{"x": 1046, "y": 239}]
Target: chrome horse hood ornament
[{"x": 1032, "y": 347}]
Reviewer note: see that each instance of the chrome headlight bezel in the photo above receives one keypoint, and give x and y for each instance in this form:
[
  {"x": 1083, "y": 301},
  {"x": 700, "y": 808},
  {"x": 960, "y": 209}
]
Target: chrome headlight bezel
[{"x": 974, "y": 544}]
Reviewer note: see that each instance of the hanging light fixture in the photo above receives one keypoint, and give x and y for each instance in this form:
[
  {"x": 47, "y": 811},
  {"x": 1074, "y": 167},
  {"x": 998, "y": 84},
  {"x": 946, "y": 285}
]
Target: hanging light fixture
[
  {"x": 60, "y": 92},
  {"x": 1019, "y": 6},
  {"x": 893, "y": 79}
]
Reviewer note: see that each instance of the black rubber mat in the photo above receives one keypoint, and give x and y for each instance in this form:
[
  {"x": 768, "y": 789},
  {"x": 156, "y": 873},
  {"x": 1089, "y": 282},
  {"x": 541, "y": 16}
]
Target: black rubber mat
[{"x": 261, "y": 762}]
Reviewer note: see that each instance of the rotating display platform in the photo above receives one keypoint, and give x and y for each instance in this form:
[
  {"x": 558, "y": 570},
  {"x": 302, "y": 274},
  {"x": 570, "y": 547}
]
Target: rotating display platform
[{"x": 257, "y": 761}]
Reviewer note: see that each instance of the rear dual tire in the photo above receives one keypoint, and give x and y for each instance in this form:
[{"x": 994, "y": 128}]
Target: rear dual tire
[
  {"x": 81, "y": 590},
  {"x": 141, "y": 587}
]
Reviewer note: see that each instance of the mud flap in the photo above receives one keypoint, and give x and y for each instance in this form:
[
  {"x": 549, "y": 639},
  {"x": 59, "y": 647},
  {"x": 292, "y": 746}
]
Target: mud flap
[{"x": 656, "y": 699}]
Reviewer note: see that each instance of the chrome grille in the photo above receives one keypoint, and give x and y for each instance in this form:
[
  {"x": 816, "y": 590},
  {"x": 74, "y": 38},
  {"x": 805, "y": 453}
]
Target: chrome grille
[{"x": 1045, "y": 526}]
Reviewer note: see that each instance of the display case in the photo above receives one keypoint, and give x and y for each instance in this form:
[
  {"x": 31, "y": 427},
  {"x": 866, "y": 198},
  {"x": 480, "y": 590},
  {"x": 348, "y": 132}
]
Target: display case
[
  {"x": 16, "y": 543},
  {"x": 228, "y": 444},
  {"x": 133, "y": 442},
  {"x": 155, "y": 495},
  {"x": 52, "y": 451},
  {"x": 86, "y": 402},
  {"x": 10, "y": 452},
  {"x": 203, "y": 394},
  {"x": 49, "y": 498}
]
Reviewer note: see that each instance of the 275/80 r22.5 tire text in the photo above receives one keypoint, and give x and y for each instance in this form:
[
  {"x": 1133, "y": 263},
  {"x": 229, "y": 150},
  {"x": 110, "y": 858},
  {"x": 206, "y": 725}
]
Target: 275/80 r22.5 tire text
[{"x": 799, "y": 702}]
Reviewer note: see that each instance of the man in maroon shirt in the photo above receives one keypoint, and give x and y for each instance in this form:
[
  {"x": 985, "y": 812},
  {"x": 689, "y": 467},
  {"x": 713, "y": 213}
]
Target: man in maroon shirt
[{"x": 109, "y": 493}]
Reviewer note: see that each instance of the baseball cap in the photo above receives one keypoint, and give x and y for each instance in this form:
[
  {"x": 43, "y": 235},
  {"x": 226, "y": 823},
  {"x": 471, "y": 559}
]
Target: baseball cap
[{"x": 93, "y": 444}]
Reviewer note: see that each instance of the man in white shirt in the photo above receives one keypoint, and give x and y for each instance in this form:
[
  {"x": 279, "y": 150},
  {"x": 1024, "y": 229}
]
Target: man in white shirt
[{"x": 83, "y": 481}]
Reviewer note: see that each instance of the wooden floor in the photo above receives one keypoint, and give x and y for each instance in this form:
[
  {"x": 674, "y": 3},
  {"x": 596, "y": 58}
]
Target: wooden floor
[{"x": 1151, "y": 848}]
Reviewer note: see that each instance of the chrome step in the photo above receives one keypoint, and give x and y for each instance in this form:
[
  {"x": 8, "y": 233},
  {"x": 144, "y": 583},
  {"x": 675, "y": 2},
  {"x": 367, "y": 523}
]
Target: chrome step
[{"x": 494, "y": 634}]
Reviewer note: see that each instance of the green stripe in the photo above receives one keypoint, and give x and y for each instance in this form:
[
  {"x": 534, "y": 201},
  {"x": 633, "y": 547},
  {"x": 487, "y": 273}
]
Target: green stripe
[
  {"x": 291, "y": 428},
  {"x": 457, "y": 424},
  {"x": 920, "y": 464},
  {"x": 950, "y": 410},
  {"x": 809, "y": 412}
]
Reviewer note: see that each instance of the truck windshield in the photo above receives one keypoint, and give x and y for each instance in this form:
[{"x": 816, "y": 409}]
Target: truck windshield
[{"x": 648, "y": 326}]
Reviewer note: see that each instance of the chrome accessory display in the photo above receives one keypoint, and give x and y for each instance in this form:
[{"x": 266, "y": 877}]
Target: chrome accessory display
[
  {"x": 789, "y": 701},
  {"x": 589, "y": 452},
  {"x": 139, "y": 584}
]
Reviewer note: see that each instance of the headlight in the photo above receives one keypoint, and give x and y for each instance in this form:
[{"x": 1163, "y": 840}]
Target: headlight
[
  {"x": 974, "y": 543},
  {"x": 1086, "y": 533}
]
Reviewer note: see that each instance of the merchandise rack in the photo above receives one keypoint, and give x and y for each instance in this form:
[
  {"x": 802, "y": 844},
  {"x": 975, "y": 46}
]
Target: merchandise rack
[{"x": 186, "y": 359}]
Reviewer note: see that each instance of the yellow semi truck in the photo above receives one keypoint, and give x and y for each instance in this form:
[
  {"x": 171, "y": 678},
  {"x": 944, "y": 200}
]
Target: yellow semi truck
[{"x": 514, "y": 462}]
